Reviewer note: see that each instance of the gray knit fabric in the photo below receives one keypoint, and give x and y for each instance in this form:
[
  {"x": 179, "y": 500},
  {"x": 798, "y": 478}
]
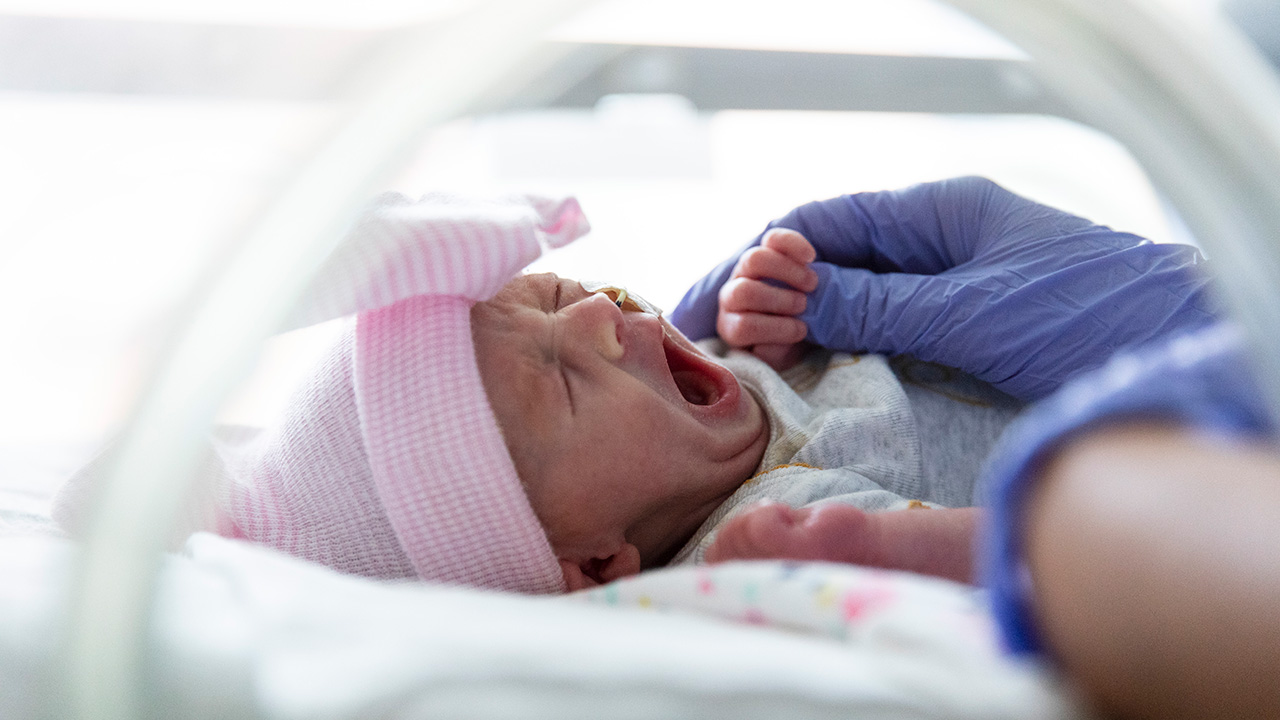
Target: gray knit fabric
[
  {"x": 864, "y": 431},
  {"x": 958, "y": 419}
]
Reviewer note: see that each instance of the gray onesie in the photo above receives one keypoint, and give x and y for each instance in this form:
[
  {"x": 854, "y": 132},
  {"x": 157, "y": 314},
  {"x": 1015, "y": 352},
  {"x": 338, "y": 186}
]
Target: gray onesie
[{"x": 864, "y": 430}]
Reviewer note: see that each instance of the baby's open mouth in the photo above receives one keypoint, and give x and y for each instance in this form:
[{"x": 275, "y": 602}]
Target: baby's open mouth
[{"x": 692, "y": 376}]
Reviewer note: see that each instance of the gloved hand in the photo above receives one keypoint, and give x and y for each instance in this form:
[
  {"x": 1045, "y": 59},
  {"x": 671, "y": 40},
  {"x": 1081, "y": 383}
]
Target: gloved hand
[{"x": 966, "y": 274}]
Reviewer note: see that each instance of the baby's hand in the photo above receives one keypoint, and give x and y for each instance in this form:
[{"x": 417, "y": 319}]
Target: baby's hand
[
  {"x": 757, "y": 312},
  {"x": 773, "y": 530},
  {"x": 934, "y": 542}
]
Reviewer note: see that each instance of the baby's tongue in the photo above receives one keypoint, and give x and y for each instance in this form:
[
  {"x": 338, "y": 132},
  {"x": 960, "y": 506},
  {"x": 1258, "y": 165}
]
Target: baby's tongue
[{"x": 694, "y": 386}]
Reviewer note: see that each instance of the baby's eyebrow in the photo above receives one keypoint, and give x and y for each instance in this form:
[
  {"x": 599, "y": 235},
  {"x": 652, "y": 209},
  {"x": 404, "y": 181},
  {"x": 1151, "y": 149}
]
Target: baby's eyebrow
[{"x": 543, "y": 291}]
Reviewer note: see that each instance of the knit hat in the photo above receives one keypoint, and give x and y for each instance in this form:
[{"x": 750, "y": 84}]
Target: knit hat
[{"x": 388, "y": 462}]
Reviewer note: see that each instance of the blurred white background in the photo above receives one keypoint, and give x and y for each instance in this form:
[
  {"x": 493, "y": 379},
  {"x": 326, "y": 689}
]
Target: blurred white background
[{"x": 137, "y": 136}]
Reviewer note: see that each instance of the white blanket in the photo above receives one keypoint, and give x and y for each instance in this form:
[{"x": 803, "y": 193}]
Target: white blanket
[{"x": 242, "y": 631}]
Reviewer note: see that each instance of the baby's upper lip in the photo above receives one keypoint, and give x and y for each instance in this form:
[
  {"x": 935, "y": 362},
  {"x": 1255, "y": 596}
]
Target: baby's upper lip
[{"x": 660, "y": 356}]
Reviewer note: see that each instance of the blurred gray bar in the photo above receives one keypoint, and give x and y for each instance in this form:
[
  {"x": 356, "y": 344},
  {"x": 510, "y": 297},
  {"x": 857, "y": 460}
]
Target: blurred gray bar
[
  {"x": 160, "y": 58},
  {"x": 80, "y": 55},
  {"x": 724, "y": 79}
]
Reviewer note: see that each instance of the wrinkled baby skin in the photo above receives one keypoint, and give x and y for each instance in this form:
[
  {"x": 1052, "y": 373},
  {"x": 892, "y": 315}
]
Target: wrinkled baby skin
[{"x": 625, "y": 435}]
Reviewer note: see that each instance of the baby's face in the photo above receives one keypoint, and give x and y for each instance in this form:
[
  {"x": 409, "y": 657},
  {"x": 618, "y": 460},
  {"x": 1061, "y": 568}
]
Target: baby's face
[{"x": 625, "y": 435}]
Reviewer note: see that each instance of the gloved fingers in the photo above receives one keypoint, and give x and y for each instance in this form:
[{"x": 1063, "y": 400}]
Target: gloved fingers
[
  {"x": 766, "y": 263},
  {"x": 790, "y": 243},
  {"x": 780, "y": 357},
  {"x": 935, "y": 227},
  {"x": 924, "y": 229},
  {"x": 743, "y": 330},
  {"x": 743, "y": 294},
  {"x": 856, "y": 310}
]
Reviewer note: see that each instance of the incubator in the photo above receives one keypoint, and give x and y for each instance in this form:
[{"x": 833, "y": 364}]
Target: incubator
[{"x": 180, "y": 176}]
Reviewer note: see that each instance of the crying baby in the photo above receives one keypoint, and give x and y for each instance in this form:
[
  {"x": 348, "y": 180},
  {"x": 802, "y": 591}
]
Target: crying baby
[{"x": 637, "y": 448}]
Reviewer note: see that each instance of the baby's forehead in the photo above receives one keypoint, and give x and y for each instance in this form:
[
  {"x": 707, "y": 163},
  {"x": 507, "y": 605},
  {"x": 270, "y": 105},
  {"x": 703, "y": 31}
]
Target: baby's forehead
[{"x": 529, "y": 283}]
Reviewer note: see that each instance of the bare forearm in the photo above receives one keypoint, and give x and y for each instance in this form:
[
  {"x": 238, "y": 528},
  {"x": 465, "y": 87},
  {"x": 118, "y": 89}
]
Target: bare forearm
[{"x": 1155, "y": 556}]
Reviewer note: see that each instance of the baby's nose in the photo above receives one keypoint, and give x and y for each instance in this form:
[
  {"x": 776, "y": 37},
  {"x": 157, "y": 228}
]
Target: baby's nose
[{"x": 598, "y": 322}]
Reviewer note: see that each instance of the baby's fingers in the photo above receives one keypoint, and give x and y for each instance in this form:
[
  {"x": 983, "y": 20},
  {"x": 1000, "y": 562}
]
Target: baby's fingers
[
  {"x": 765, "y": 263},
  {"x": 748, "y": 329},
  {"x": 790, "y": 243},
  {"x": 741, "y": 295},
  {"x": 780, "y": 357}
]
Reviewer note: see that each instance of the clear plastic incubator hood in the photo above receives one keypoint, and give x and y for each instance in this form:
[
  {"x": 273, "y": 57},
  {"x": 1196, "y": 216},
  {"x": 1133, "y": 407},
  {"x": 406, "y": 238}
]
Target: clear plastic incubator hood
[{"x": 178, "y": 176}]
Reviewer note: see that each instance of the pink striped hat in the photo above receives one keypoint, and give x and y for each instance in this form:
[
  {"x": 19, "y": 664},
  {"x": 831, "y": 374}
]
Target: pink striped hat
[{"x": 389, "y": 461}]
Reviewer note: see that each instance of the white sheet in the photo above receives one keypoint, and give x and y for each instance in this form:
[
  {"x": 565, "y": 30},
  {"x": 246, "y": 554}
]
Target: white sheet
[{"x": 244, "y": 632}]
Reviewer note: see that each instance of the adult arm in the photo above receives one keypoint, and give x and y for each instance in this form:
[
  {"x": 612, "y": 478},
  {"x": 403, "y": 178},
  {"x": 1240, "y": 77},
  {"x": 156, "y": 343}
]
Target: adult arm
[
  {"x": 1134, "y": 524},
  {"x": 1154, "y": 553}
]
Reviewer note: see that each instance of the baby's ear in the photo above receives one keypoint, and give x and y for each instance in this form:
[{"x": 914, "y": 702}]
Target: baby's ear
[
  {"x": 624, "y": 563},
  {"x": 598, "y": 571},
  {"x": 574, "y": 578}
]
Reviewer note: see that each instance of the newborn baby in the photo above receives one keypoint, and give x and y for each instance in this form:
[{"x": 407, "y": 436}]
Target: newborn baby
[{"x": 627, "y": 437}]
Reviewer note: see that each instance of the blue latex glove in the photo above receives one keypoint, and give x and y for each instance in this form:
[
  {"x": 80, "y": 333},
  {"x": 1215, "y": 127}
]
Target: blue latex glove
[
  {"x": 965, "y": 273},
  {"x": 1199, "y": 380}
]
